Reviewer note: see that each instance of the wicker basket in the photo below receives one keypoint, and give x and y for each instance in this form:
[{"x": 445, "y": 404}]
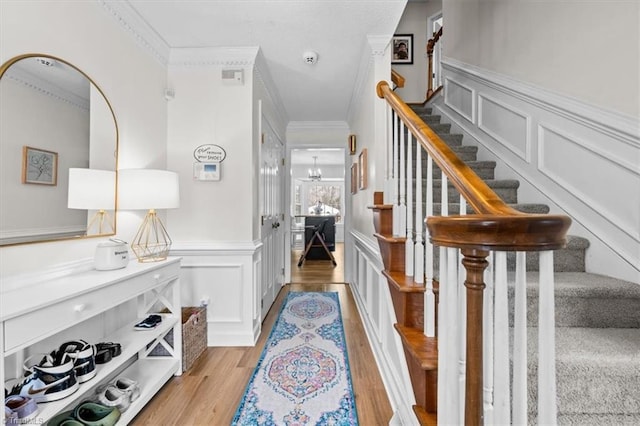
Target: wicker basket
[{"x": 194, "y": 336}]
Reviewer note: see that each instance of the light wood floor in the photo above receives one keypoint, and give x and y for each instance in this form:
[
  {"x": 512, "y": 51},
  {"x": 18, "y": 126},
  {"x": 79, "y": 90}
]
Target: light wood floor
[
  {"x": 318, "y": 271},
  {"x": 209, "y": 393}
]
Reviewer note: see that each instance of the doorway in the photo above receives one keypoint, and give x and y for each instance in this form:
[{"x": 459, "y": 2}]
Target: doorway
[{"x": 317, "y": 190}]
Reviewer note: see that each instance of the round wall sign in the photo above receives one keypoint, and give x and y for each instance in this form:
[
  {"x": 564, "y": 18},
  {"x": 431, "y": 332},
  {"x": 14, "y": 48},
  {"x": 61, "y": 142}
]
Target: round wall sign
[{"x": 210, "y": 153}]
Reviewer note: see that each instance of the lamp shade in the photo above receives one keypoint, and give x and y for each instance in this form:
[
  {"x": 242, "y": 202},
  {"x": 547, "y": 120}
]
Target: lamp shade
[
  {"x": 145, "y": 189},
  {"x": 91, "y": 189}
]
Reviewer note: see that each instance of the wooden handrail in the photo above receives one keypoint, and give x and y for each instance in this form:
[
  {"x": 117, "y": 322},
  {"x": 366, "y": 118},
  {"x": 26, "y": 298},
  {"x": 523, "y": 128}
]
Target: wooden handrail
[
  {"x": 479, "y": 196},
  {"x": 431, "y": 44},
  {"x": 397, "y": 79}
]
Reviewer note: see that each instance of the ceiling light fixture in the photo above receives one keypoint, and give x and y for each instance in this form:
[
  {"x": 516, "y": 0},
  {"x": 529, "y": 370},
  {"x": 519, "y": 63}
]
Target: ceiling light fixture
[{"x": 315, "y": 173}]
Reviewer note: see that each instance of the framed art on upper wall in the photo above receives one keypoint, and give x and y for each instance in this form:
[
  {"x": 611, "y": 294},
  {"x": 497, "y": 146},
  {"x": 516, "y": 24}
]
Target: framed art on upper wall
[
  {"x": 362, "y": 169},
  {"x": 354, "y": 178},
  {"x": 402, "y": 49},
  {"x": 39, "y": 166}
]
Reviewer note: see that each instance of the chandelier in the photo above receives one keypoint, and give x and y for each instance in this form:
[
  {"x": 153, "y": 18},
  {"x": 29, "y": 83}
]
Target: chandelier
[{"x": 315, "y": 173}]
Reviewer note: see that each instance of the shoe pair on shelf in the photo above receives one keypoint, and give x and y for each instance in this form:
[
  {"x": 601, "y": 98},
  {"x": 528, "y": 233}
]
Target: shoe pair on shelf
[
  {"x": 87, "y": 413},
  {"x": 106, "y": 351},
  {"x": 19, "y": 409},
  {"x": 148, "y": 323},
  {"x": 118, "y": 393}
]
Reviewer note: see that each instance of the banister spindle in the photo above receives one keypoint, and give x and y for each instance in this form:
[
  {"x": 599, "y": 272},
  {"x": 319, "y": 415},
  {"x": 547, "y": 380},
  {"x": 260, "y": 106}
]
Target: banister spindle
[{"x": 475, "y": 262}]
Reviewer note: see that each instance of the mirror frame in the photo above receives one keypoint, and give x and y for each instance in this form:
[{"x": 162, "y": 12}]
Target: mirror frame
[{"x": 3, "y": 68}]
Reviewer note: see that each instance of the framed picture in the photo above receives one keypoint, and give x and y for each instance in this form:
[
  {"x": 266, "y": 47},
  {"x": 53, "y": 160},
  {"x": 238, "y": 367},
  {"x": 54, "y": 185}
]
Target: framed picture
[
  {"x": 354, "y": 178},
  {"x": 402, "y": 49},
  {"x": 362, "y": 169},
  {"x": 39, "y": 166}
]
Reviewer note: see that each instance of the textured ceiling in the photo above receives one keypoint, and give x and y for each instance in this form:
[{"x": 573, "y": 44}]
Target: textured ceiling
[{"x": 284, "y": 29}]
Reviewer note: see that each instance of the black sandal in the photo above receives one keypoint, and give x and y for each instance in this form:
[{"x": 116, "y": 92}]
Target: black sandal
[
  {"x": 114, "y": 348},
  {"x": 103, "y": 356}
]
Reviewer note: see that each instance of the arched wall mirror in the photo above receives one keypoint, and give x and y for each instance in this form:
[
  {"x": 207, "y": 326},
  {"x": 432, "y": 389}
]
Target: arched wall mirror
[{"x": 58, "y": 153}]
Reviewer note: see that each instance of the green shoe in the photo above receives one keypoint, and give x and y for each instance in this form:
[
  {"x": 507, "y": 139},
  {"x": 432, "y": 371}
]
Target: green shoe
[
  {"x": 64, "y": 419},
  {"x": 94, "y": 414}
]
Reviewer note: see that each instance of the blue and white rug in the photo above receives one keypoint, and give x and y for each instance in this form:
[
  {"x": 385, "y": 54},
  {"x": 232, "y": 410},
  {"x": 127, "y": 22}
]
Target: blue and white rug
[{"x": 302, "y": 377}]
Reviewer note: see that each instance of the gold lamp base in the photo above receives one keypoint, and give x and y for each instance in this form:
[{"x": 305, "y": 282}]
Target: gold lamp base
[
  {"x": 103, "y": 222},
  {"x": 152, "y": 242}
]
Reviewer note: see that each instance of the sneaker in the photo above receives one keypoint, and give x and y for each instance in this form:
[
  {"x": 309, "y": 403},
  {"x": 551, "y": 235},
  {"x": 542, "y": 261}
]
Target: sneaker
[
  {"x": 23, "y": 407},
  {"x": 95, "y": 414},
  {"x": 128, "y": 386},
  {"x": 111, "y": 396},
  {"x": 83, "y": 355},
  {"x": 50, "y": 380},
  {"x": 148, "y": 323}
]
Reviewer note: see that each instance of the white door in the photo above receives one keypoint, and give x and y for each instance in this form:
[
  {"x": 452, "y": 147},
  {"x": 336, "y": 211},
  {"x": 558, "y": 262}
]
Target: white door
[{"x": 272, "y": 215}]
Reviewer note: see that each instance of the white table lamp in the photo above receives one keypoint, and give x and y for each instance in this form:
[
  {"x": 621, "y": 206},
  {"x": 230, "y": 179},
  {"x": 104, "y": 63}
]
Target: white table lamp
[
  {"x": 149, "y": 189},
  {"x": 93, "y": 189}
]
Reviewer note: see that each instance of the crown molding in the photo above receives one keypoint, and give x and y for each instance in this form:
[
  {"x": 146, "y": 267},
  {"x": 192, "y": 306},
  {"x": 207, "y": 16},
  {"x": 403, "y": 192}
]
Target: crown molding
[
  {"x": 138, "y": 28},
  {"x": 294, "y": 126},
  {"x": 214, "y": 56},
  {"x": 44, "y": 87}
]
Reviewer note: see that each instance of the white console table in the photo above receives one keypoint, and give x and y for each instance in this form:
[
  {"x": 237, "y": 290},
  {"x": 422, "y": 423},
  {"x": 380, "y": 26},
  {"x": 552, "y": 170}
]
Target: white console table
[{"x": 39, "y": 310}]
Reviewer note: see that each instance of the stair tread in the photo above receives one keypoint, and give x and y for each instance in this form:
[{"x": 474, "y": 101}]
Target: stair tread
[
  {"x": 584, "y": 284},
  {"x": 403, "y": 282},
  {"x": 390, "y": 238},
  {"x": 422, "y": 348},
  {"x": 425, "y": 418}
]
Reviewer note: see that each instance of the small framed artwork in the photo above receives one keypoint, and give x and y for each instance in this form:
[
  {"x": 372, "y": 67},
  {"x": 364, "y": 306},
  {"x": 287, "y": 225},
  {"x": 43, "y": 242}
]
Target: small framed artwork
[
  {"x": 402, "y": 49},
  {"x": 352, "y": 144},
  {"x": 354, "y": 178},
  {"x": 39, "y": 166},
  {"x": 362, "y": 169}
]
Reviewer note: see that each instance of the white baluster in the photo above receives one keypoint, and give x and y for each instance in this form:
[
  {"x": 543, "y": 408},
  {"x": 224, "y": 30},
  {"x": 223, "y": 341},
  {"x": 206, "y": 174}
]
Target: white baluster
[
  {"x": 445, "y": 408},
  {"x": 402, "y": 207},
  {"x": 487, "y": 343},
  {"x": 408, "y": 248},
  {"x": 418, "y": 266},
  {"x": 454, "y": 379},
  {"x": 501, "y": 398},
  {"x": 462, "y": 321},
  {"x": 520, "y": 342},
  {"x": 390, "y": 193},
  {"x": 395, "y": 213},
  {"x": 547, "y": 410},
  {"x": 429, "y": 295}
]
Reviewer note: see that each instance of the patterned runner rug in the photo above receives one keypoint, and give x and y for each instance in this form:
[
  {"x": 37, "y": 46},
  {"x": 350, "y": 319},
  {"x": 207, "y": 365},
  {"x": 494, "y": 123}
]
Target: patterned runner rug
[{"x": 302, "y": 377}]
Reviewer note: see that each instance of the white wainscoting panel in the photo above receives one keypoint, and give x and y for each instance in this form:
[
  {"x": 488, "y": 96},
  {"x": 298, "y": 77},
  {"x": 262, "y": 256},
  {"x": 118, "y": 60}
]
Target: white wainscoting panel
[
  {"x": 226, "y": 276},
  {"x": 460, "y": 98},
  {"x": 581, "y": 159},
  {"x": 506, "y": 125},
  {"x": 590, "y": 183},
  {"x": 373, "y": 299}
]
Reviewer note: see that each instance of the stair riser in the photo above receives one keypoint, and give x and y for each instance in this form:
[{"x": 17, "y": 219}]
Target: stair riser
[
  {"x": 425, "y": 385},
  {"x": 409, "y": 307},
  {"x": 393, "y": 255}
]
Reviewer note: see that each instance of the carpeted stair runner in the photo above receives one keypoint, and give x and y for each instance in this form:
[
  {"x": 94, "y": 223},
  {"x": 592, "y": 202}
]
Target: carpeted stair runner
[{"x": 597, "y": 317}]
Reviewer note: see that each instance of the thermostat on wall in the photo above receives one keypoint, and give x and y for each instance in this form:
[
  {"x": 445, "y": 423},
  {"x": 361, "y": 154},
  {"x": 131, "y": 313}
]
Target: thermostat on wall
[{"x": 206, "y": 171}]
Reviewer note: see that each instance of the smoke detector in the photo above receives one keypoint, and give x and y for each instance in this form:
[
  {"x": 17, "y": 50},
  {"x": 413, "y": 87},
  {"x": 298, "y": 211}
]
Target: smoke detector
[{"x": 310, "y": 57}]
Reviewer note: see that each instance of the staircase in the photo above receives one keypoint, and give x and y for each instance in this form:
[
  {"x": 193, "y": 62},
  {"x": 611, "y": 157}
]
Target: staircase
[{"x": 597, "y": 317}]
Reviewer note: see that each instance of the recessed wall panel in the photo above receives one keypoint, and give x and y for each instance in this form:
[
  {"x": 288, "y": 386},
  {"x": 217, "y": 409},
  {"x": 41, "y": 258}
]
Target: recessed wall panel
[
  {"x": 460, "y": 98},
  {"x": 590, "y": 176},
  {"x": 221, "y": 283},
  {"x": 506, "y": 125}
]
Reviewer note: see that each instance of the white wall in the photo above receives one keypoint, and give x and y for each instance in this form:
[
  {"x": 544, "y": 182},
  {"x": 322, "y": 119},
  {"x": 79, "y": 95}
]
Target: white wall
[
  {"x": 132, "y": 80},
  {"x": 589, "y": 50},
  {"x": 206, "y": 111},
  {"x": 414, "y": 21}
]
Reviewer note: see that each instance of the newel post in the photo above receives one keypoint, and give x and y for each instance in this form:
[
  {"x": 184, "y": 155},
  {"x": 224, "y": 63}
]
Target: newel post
[{"x": 475, "y": 262}]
